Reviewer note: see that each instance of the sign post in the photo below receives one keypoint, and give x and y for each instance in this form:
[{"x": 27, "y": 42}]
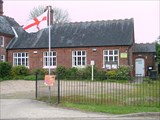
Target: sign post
[
  {"x": 49, "y": 81},
  {"x": 92, "y": 64}
]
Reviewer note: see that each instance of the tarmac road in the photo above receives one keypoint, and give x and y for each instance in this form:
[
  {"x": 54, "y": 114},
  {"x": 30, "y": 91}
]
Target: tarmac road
[{"x": 27, "y": 109}]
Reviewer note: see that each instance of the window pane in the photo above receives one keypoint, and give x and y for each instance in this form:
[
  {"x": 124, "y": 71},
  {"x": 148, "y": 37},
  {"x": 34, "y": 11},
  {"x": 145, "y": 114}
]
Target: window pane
[
  {"x": 75, "y": 61},
  {"x": 15, "y": 61},
  {"x": 79, "y": 52},
  {"x": 110, "y": 58},
  {"x": 79, "y": 60},
  {"x": 23, "y": 54},
  {"x": 83, "y": 61},
  {"x": 111, "y": 52},
  {"x": 15, "y": 54},
  {"x": 83, "y": 53},
  {"x": 23, "y": 61},
  {"x": 54, "y": 53},
  {"x": 105, "y": 52},
  {"x": 115, "y": 58},
  {"x": 115, "y": 52},
  {"x": 19, "y": 54}
]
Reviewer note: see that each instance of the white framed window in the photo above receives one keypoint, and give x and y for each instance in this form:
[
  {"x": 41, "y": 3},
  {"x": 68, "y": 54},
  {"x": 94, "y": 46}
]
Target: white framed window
[
  {"x": 2, "y": 58},
  {"x": 52, "y": 62},
  {"x": 110, "y": 59},
  {"x": 79, "y": 58},
  {"x": 21, "y": 59},
  {"x": 1, "y": 41}
]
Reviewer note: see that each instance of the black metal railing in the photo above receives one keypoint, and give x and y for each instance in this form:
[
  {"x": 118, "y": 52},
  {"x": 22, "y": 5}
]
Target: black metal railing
[{"x": 141, "y": 91}]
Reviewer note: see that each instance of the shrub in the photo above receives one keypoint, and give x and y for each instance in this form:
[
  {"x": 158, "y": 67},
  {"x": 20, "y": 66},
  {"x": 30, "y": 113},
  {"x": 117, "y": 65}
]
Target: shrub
[
  {"x": 30, "y": 77},
  {"x": 111, "y": 74},
  {"x": 123, "y": 72},
  {"x": 61, "y": 72},
  {"x": 71, "y": 73},
  {"x": 100, "y": 75},
  {"x": 19, "y": 71},
  {"x": 39, "y": 71},
  {"x": 5, "y": 70}
]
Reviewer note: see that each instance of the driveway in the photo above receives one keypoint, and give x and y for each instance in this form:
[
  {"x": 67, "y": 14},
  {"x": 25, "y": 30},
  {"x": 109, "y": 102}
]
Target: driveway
[{"x": 27, "y": 109}]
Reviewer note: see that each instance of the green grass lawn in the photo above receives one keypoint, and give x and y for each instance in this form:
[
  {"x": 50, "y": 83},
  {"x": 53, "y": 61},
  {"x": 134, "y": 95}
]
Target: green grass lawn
[
  {"x": 111, "y": 109},
  {"x": 138, "y": 98}
]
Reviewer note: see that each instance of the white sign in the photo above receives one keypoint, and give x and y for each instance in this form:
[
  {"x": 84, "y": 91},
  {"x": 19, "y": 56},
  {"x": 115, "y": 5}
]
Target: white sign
[{"x": 92, "y": 62}]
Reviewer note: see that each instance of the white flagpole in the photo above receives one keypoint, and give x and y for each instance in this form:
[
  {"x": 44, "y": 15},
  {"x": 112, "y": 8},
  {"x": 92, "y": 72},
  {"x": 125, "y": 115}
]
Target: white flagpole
[{"x": 49, "y": 25}]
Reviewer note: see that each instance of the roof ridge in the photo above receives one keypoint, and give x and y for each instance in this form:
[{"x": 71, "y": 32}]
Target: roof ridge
[{"x": 126, "y": 19}]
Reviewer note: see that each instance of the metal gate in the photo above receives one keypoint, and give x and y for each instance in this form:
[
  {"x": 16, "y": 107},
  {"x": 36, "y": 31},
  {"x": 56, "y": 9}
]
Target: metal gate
[{"x": 44, "y": 92}]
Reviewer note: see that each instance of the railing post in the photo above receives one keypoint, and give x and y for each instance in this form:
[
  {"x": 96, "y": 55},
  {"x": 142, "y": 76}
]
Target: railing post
[
  {"x": 58, "y": 89},
  {"x": 36, "y": 85}
]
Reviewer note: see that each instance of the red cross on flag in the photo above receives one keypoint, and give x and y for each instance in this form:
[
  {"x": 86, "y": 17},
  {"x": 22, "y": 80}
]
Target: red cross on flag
[{"x": 37, "y": 23}]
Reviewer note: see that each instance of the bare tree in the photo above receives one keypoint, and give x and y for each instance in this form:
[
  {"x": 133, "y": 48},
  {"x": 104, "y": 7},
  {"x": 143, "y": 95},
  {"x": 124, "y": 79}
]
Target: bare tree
[{"x": 59, "y": 15}]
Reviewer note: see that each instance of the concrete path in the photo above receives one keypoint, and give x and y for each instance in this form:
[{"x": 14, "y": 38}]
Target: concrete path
[{"x": 27, "y": 109}]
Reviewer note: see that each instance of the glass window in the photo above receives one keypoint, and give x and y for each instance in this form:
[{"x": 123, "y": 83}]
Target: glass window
[
  {"x": 2, "y": 58},
  {"x": 21, "y": 59},
  {"x": 1, "y": 41},
  {"x": 49, "y": 60},
  {"x": 112, "y": 57},
  {"x": 78, "y": 58}
]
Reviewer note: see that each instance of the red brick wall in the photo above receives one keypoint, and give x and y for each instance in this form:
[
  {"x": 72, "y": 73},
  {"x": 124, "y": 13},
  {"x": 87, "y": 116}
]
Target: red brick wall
[
  {"x": 149, "y": 60},
  {"x": 7, "y": 39},
  {"x": 64, "y": 56}
]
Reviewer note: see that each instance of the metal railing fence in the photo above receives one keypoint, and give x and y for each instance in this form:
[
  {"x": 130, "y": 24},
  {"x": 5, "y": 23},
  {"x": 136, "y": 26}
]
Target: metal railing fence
[{"x": 139, "y": 91}]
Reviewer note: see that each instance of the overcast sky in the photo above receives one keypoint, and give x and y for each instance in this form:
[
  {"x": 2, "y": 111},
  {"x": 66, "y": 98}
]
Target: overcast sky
[{"x": 146, "y": 13}]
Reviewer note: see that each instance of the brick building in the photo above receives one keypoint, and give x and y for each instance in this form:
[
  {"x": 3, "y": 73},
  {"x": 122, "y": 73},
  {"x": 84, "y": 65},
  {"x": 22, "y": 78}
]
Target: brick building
[{"x": 108, "y": 43}]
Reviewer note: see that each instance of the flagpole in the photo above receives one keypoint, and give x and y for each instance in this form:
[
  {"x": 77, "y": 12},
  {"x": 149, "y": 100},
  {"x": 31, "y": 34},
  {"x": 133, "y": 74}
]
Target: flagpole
[
  {"x": 49, "y": 69},
  {"x": 49, "y": 24}
]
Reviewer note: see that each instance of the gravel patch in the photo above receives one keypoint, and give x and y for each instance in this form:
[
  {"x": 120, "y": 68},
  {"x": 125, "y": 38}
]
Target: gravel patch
[{"x": 17, "y": 89}]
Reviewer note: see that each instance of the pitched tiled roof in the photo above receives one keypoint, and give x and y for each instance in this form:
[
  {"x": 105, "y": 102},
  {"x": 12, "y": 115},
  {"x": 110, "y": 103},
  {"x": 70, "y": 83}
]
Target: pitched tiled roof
[
  {"x": 144, "y": 47},
  {"x": 5, "y": 25},
  {"x": 79, "y": 34}
]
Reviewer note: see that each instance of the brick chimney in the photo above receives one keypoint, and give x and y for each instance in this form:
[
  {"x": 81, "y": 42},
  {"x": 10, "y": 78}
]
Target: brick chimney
[
  {"x": 51, "y": 15},
  {"x": 1, "y": 7}
]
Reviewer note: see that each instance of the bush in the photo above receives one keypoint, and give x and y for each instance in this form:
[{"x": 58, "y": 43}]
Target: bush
[
  {"x": 19, "y": 71},
  {"x": 111, "y": 74},
  {"x": 71, "y": 73},
  {"x": 100, "y": 75},
  {"x": 39, "y": 71},
  {"x": 30, "y": 77},
  {"x": 61, "y": 72},
  {"x": 5, "y": 70},
  {"x": 123, "y": 72}
]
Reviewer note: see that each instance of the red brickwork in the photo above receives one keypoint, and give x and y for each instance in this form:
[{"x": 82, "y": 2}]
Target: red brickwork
[{"x": 64, "y": 56}]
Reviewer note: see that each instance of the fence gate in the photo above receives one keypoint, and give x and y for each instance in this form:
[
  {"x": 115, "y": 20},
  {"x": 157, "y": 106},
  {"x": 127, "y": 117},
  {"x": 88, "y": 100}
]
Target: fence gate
[{"x": 44, "y": 92}]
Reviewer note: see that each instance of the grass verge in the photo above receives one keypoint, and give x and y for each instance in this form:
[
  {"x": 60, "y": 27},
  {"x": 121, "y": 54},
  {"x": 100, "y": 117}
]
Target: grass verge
[{"x": 111, "y": 109}]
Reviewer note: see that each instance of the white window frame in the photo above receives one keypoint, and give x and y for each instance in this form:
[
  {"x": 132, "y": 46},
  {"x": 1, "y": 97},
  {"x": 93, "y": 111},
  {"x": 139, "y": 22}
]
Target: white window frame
[
  {"x": 21, "y": 58},
  {"x": 2, "y": 41},
  {"x": 82, "y": 57},
  {"x": 2, "y": 58},
  {"x": 110, "y": 55},
  {"x": 53, "y": 59}
]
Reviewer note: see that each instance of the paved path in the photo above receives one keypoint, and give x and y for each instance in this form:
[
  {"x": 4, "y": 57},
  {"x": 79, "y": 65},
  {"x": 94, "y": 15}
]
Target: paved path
[{"x": 27, "y": 109}]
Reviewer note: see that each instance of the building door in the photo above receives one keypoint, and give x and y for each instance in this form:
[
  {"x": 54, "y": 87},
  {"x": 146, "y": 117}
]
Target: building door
[{"x": 139, "y": 67}]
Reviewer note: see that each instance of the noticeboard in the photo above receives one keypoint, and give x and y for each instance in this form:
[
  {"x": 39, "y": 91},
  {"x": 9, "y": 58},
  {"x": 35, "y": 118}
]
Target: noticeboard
[
  {"x": 123, "y": 55},
  {"x": 49, "y": 80}
]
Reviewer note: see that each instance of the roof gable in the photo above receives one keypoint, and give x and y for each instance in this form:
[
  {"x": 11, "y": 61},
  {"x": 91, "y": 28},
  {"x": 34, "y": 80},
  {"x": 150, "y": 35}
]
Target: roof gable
[{"x": 6, "y": 24}]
